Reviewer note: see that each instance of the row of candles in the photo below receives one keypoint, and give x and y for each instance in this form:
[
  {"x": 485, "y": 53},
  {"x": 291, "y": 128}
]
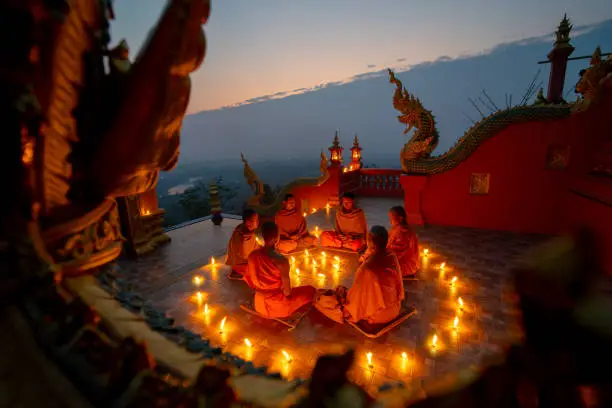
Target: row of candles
[{"x": 310, "y": 260}]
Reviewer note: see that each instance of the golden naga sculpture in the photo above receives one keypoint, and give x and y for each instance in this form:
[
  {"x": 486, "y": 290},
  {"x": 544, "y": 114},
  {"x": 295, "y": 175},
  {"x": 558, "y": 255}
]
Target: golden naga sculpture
[
  {"x": 414, "y": 115},
  {"x": 592, "y": 80},
  {"x": 86, "y": 136},
  {"x": 253, "y": 181}
]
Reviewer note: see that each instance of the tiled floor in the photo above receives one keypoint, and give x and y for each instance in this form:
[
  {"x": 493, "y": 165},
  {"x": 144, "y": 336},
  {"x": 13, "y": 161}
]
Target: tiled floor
[{"x": 479, "y": 259}]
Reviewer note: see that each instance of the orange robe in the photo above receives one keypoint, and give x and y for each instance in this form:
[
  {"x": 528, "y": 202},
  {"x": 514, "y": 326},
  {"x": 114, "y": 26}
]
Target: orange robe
[
  {"x": 241, "y": 244},
  {"x": 350, "y": 231},
  {"x": 404, "y": 243},
  {"x": 376, "y": 295},
  {"x": 293, "y": 231},
  {"x": 268, "y": 275}
]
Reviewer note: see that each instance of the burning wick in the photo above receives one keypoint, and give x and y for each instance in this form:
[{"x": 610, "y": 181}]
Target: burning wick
[
  {"x": 222, "y": 325},
  {"x": 212, "y": 260},
  {"x": 337, "y": 258},
  {"x": 287, "y": 357},
  {"x": 426, "y": 252},
  {"x": 323, "y": 254},
  {"x": 456, "y": 323},
  {"x": 453, "y": 281},
  {"x": 206, "y": 309},
  {"x": 248, "y": 343},
  {"x": 306, "y": 253},
  {"x": 197, "y": 280},
  {"x": 314, "y": 264},
  {"x": 305, "y": 214},
  {"x": 434, "y": 342},
  {"x": 404, "y": 356},
  {"x": 369, "y": 357},
  {"x": 199, "y": 297},
  {"x": 297, "y": 271},
  {"x": 292, "y": 259},
  {"x": 321, "y": 276},
  {"x": 442, "y": 266},
  {"x": 461, "y": 304}
]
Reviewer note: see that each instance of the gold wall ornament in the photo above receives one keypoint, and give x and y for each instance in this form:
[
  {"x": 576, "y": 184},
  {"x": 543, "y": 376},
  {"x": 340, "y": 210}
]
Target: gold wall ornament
[
  {"x": 86, "y": 242},
  {"x": 253, "y": 181},
  {"x": 479, "y": 183},
  {"x": 592, "y": 81}
]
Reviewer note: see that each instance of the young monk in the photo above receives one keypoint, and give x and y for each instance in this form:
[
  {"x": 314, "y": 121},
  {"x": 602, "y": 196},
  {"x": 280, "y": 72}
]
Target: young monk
[
  {"x": 350, "y": 227},
  {"x": 403, "y": 242},
  {"x": 268, "y": 275},
  {"x": 292, "y": 227},
  {"x": 377, "y": 292},
  {"x": 242, "y": 242}
]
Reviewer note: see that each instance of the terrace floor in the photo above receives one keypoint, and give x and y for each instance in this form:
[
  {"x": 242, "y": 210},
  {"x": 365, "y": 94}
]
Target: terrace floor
[{"x": 479, "y": 259}]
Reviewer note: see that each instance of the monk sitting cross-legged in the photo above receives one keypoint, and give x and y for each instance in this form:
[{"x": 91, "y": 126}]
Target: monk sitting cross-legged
[
  {"x": 268, "y": 275},
  {"x": 350, "y": 227},
  {"x": 242, "y": 242},
  {"x": 292, "y": 228},
  {"x": 403, "y": 242},
  {"x": 377, "y": 292}
]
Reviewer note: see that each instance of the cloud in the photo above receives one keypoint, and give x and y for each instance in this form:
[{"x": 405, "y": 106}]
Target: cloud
[
  {"x": 400, "y": 60},
  {"x": 370, "y": 66}
]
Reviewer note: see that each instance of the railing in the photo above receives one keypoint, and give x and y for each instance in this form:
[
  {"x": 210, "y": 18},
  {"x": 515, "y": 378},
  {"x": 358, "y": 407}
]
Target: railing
[{"x": 380, "y": 183}]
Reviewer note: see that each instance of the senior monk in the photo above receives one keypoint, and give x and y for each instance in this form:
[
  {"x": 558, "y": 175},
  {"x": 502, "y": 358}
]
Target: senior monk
[
  {"x": 350, "y": 227},
  {"x": 292, "y": 227},
  {"x": 242, "y": 242},
  {"x": 377, "y": 292},
  {"x": 268, "y": 276}
]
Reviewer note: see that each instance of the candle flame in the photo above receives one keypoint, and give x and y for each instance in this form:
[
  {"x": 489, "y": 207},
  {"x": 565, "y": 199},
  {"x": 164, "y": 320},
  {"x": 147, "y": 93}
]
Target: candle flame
[
  {"x": 287, "y": 356},
  {"x": 297, "y": 271},
  {"x": 197, "y": 280},
  {"x": 321, "y": 276},
  {"x": 292, "y": 259},
  {"x": 222, "y": 325},
  {"x": 304, "y": 214},
  {"x": 258, "y": 241},
  {"x": 323, "y": 254},
  {"x": 369, "y": 357},
  {"x": 314, "y": 263},
  {"x": 248, "y": 343},
  {"x": 456, "y": 323},
  {"x": 337, "y": 258},
  {"x": 461, "y": 303},
  {"x": 212, "y": 260},
  {"x": 434, "y": 341},
  {"x": 453, "y": 281},
  {"x": 306, "y": 253},
  {"x": 199, "y": 296},
  {"x": 442, "y": 266},
  {"x": 314, "y": 210},
  {"x": 327, "y": 207},
  {"x": 206, "y": 309},
  {"x": 404, "y": 356},
  {"x": 426, "y": 252}
]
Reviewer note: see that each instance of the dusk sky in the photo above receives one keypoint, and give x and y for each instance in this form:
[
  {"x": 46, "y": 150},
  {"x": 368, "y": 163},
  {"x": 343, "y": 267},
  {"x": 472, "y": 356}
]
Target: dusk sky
[{"x": 261, "y": 47}]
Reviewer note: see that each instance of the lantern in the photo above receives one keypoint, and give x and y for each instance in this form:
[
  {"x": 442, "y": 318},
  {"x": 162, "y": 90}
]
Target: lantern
[
  {"x": 336, "y": 151},
  {"x": 355, "y": 155}
]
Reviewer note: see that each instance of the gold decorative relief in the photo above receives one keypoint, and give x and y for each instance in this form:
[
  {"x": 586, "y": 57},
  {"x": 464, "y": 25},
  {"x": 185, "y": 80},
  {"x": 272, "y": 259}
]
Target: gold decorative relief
[
  {"x": 479, "y": 183},
  {"x": 557, "y": 157}
]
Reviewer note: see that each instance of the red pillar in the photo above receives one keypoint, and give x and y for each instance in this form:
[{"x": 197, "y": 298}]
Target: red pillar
[{"x": 413, "y": 187}]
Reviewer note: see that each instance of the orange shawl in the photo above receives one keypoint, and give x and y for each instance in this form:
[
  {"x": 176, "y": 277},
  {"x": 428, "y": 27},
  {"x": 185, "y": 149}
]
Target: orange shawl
[
  {"x": 352, "y": 223},
  {"x": 268, "y": 271},
  {"x": 378, "y": 285},
  {"x": 291, "y": 224},
  {"x": 404, "y": 243},
  {"x": 241, "y": 244}
]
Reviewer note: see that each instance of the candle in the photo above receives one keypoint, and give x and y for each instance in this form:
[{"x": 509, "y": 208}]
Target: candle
[
  {"x": 316, "y": 231},
  {"x": 314, "y": 264},
  {"x": 222, "y": 325},
  {"x": 197, "y": 280},
  {"x": 460, "y": 304},
  {"x": 199, "y": 297},
  {"x": 287, "y": 356},
  {"x": 442, "y": 266},
  {"x": 369, "y": 357},
  {"x": 248, "y": 343},
  {"x": 453, "y": 281},
  {"x": 206, "y": 309},
  {"x": 456, "y": 323},
  {"x": 297, "y": 271},
  {"x": 212, "y": 260},
  {"x": 434, "y": 342}
]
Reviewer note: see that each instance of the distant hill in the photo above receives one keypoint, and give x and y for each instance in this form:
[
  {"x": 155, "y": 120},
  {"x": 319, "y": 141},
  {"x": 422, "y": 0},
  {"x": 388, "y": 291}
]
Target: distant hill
[{"x": 299, "y": 126}]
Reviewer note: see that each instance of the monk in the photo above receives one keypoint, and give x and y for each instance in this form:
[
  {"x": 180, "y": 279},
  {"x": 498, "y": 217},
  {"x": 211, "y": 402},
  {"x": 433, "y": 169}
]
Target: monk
[
  {"x": 242, "y": 242},
  {"x": 268, "y": 276},
  {"x": 403, "y": 242},
  {"x": 292, "y": 227},
  {"x": 350, "y": 227},
  {"x": 377, "y": 292}
]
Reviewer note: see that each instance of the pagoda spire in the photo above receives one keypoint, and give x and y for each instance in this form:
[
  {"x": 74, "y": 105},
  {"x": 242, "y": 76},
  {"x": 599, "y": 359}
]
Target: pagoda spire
[
  {"x": 336, "y": 150},
  {"x": 336, "y": 142},
  {"x": 558, "y": 58}
]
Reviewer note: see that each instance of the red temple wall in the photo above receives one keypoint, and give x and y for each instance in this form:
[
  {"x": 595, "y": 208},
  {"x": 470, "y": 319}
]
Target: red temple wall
[{"x": 317, "y": 196}]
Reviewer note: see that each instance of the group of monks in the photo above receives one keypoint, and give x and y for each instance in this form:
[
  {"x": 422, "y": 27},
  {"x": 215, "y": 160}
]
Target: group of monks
[{"x": 387, "y": 257}]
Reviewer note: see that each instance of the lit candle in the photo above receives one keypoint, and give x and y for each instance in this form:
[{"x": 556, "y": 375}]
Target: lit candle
[
  {"x": 327, "y": 207},
  {"x": 314, "y": 264},
  {"x": 248, "y": 343},
  {"x": 199, "y": 297},
  {"x": 442, "y": 266},
  {"x": 197, "y": 280},
  {"x": 404, "y": 356},
  {"x": 434, "y": 342},
  {"x": 212, "y": 260},
  {"x": 306, "y": 253},
  {"x": 293, "y": 260},
  {"x": 222, "y": 325},
  {"x": 297, "y": 271},
  {"x": 205, "y": 311},
  {"x": 316, "y": 231},
  {"x": 314, "y": 210},
  {"x": 369, "y": 357},
  {"x": 321, "y": 276},
  {"x": 305, "y": 214},
  {"x": 337, "y": 259},
  {"x": 426, "y": 252},
  {"x": 287, "y": 356},
  {"x": 456, "y": 323},
  {"x": 460, "y": 304},
  {"x": 453, "y": 281},
  {"x": 323, "y": 254}
]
